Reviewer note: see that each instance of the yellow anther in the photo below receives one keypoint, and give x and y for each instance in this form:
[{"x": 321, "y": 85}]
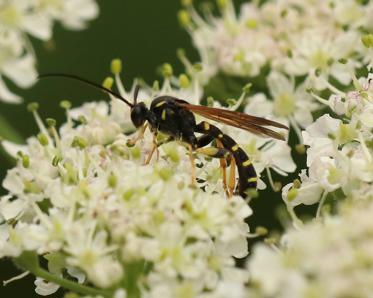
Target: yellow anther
[
  {"x": 206, "y": 125},
  {"x": 167, "y": 70},
  {"x": 108, "y": 83},
  {"x": 184, "y": 18},
  {"x": 116, "y": 66},
  {"x": 184, "y": 81}
]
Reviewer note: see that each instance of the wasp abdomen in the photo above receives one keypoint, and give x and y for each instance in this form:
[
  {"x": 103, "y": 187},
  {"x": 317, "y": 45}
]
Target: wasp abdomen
[{"x": 247, "y": 178}]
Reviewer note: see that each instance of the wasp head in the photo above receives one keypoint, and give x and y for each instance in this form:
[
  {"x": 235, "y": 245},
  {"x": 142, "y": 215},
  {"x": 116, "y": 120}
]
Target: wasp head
[{"x": 139, "y": 113}]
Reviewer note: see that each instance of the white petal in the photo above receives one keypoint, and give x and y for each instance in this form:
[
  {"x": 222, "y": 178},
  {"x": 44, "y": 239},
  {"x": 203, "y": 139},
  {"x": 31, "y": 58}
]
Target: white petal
[
  {"x": 6, "y": 95},
  {"x": 259, "y": 106},
  {"x": 79, "y": 275},
  {"x": 12, "y": 148},
  {"x": 78, "y": 12},
  {"x": 279, "y": 84},
  {"x": 280, "y": 156},
  {"x": 39, "y": 25},
  {"x": 11, "y": 209},
  {"x": 21, "y": 71},
  {"x": 303, "y": 117},
  {"x": 308, "y": 194},
  {"x": 322, "y": 127},
  {"x": 45, "y": 288},
  {"x": 367, "y": 117}
]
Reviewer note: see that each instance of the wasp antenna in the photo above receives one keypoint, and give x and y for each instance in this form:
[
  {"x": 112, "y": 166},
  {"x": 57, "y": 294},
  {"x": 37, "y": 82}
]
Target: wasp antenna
[
  {"x": 136, "y": 93},
  {"x": 74, "y": 77}
]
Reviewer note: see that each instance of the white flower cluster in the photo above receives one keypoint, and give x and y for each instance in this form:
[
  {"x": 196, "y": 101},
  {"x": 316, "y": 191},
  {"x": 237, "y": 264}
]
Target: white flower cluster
[
  {"x": 288, "y": 46},
  {"x": 340, "y": 152},
  {"x": 83, "y": 198},
  {"x": 20, "y": 18},
  {"x": 295, "y": 37},
  {"x": 329, "y": 258}
]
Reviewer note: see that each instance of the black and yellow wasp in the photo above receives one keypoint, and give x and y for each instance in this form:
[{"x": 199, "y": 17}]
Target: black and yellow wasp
[{"x": 175, "y": 118}]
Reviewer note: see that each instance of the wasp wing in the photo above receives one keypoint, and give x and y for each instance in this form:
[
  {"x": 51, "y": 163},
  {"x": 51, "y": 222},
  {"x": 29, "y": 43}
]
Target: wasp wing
[{"x": 244, "y": 121}]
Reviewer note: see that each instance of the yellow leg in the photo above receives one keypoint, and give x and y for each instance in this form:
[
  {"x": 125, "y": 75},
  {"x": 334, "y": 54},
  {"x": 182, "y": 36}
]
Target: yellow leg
[
  {"x": 223, "y": 166},
  {"x": 232, "y": 177},
  {"x": 154, "y": 148},
  {"x": 139, "y": 136},
  {"x": 191, "y": 158},
  {"x": 157, "y": 152}
]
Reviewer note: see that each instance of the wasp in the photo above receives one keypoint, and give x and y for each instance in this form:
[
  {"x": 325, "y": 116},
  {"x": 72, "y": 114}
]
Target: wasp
[{"x": 175, "y": 117}]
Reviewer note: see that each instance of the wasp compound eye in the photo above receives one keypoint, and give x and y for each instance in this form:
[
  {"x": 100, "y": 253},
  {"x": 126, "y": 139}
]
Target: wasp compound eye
[{"x": 138, "y": 114}]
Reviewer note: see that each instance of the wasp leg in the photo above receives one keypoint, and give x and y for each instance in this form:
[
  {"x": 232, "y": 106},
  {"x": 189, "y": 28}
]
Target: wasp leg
[
  {"x": 139, "y": 136},
  {"x": 154, "y": 148},
  {"x": 247, "y": 178},
  {"x": 214, "y": 152},
  {"x": 223, "y": 166},
  {"x": 232, "y": 177},
  {"x": 206, "y": 139},
  {"x": 191, "y": 158},
  {"x": 221, "y": 153}
]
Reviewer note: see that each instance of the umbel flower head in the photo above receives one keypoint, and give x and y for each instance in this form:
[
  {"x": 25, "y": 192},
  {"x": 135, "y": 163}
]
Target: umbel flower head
[
  {"x": 339, "y": 153},
  {"x": 82, "y": 198},
  {"x": 20, "y": 18},
  {"x": 295, "y": 37},
  {"x": 328, "y": 258},
  {"x": 287, "y": 46}
]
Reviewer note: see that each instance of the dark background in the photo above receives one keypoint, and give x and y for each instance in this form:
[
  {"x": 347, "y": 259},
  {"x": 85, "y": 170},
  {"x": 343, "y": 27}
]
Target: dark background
[{"x": 144, "y": 34}]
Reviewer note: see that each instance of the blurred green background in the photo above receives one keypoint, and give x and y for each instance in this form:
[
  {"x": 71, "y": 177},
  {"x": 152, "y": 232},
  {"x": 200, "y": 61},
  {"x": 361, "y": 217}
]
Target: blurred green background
[{"x": 144, "y": 34}]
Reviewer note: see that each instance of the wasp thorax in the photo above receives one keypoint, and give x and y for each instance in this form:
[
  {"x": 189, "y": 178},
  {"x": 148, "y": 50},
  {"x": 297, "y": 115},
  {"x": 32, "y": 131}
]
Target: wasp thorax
[{"x": 138, "y": 114}]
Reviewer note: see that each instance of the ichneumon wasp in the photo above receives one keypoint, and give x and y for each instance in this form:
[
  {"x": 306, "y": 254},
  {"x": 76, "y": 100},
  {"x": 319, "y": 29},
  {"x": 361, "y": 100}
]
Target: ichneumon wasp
[{"x": 175, "y": 118}]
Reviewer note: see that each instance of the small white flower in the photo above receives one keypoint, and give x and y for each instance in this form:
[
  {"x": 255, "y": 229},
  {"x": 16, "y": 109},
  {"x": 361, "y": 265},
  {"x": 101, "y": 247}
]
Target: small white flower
[
  {"x": 316, "y": 54},
  {"x": 289, "y": 101},
  {"x": 45, "y": 288},
  {"x": 317, "y": 136},
  {"x": 309, "y": 193},
  {"x": 11, "y": 209}
]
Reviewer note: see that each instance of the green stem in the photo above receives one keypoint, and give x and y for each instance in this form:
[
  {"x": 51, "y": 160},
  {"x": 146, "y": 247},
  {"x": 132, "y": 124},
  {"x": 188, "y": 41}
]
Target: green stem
[
  {"x": 68, "y": 284},
  {"x": 133, "y": 273},
  {"x": 8, "y": 132},
  {"x": 29, "y": 261},
  {"x": 297, "y": 223}
]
